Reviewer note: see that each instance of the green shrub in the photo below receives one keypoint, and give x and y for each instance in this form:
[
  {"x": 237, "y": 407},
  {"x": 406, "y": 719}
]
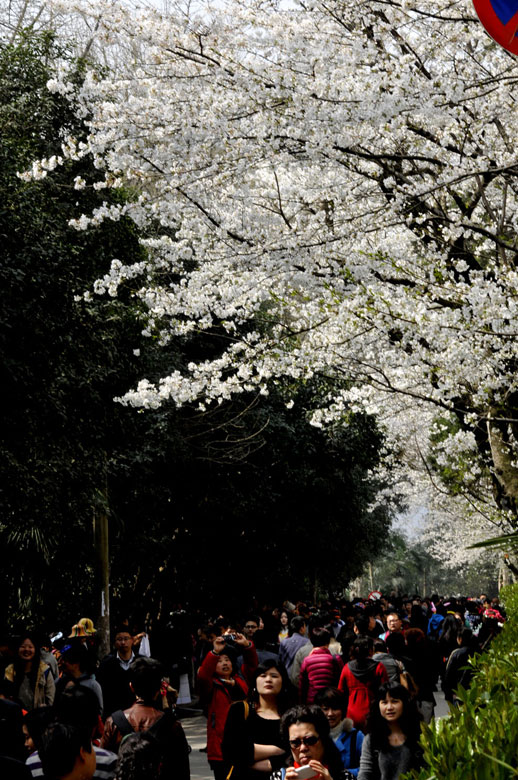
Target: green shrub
[{"x": 479, "y": 741}]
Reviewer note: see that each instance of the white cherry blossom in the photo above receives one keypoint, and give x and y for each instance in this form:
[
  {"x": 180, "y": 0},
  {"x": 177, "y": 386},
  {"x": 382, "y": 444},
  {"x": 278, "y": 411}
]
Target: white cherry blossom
[{"x": 337, "y": 187}]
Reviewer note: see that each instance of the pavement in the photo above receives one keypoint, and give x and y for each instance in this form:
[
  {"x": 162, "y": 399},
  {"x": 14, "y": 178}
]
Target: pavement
[
  {"x": 442, "y": 708},
  {"x": 195, "y": 727}
]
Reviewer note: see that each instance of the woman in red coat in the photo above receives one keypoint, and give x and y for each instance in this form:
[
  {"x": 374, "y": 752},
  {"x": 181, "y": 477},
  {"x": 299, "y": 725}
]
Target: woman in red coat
[
  {"x": 360, "y": 680},
  {"x": 220, "y": 683}
]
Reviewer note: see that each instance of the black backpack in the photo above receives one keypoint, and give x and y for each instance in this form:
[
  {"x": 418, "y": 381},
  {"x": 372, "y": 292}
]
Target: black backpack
[{"x": 158, "y": 729}]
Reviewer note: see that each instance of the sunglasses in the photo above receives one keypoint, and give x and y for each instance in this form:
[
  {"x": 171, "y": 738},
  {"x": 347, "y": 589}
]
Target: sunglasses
[{"x": 308, "y": 741}]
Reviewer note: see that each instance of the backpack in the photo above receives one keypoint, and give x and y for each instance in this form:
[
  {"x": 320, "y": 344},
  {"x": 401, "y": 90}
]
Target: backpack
[{"x": 157, "y": 729}]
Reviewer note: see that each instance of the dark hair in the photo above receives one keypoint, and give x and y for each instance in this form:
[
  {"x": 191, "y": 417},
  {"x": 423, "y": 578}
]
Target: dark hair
[
  {"x": 146, "y": 677},
  {"x": 395, "y": 644},
  {"x": 122, "y": 629},
  {"x": 466, "y": 637},
  {"x": 314, "y": 715},
  {"x": 139, "y": 757},
  {"x": 303, "y": 713},
  {"x": 317, "y": 620},
  {"x": 320, "y": 637},
  {"x": 36, "y": 721},
  {"x": 260, "y": 639},
  {"x": 332, "y": 697},
  {"x": 409, "y": 722},
  {"x": 79, "y": 707},
  {"x": 75, "y": 652},
  {"x": 361, "y": 648},
  {"x": 417, "y": 617},
  {"x": 284, "y": 698},
  {"x": 19, "y": 664},
  {"x": 59, "y": 748},
  {"x": 220, "y": 624},
  {"x": 296, "y": 624},
  {"x": 448, "y": 630},
  {"x": 415, "y": 639},
  {"x": 361, "y": 621},
  {"x": 379, "y": 646},
  {"x": 253, "y": 619}
]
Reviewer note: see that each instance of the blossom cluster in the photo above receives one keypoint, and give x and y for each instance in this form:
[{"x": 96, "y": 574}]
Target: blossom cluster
[{"x": 341, "y": 184}]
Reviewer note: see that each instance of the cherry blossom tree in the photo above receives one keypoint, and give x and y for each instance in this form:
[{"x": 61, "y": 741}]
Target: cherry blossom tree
[{"x": 325, "y": 187}]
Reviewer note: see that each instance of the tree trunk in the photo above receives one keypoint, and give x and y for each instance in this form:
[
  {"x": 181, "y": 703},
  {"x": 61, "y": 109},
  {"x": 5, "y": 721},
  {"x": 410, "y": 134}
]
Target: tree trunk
[
  {"x": 101, "y": 543},
  {"x": 371, "y": 576},
  {"x": 505, "y": 472}
]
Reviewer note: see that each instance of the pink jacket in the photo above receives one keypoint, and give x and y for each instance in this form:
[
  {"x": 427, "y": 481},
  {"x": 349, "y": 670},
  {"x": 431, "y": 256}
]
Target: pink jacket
[{"x": 319, "y": 670}]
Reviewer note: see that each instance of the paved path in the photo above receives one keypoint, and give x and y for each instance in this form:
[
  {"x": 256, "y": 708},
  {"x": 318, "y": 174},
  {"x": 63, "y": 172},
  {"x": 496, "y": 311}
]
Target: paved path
[
  {"x": 196, "y": 732},
  {"x": 195, "y": 728}
]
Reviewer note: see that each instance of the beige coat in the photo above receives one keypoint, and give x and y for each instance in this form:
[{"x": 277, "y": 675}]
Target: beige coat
[{"x": 45, "y": 690}]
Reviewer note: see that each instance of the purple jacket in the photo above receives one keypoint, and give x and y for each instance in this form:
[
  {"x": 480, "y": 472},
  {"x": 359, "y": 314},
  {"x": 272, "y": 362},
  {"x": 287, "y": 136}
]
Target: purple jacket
[{"x": 319, "y": 670}]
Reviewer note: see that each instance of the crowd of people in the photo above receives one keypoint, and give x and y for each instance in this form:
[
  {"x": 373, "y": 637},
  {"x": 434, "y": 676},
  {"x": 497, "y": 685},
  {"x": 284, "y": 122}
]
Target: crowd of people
[{"x": 328, "y": 692}]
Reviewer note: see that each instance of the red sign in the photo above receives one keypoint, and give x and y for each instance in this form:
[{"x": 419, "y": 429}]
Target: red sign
[{"x": 500, "y": 19}]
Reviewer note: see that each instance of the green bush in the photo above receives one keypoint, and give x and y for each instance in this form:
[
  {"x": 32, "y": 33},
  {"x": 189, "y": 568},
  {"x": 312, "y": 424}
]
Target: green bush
[{"x": 479, "y": 741}]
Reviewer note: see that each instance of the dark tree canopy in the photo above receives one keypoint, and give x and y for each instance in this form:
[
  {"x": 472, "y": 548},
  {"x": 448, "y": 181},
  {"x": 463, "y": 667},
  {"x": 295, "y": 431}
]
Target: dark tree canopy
[
  {"x": 62, "y": 360},
  {"x": 295, "y": 513},
  {"x": 205, "y": 507}
]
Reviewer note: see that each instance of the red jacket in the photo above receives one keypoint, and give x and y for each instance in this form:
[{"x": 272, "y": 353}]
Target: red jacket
[
  {"x": 360, "y": 683},
  {"x": 320, "y": 669},
  {"x": 217, "y": 697}
]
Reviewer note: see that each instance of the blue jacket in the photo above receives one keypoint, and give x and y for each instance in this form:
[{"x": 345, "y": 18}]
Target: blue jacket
[{"x": 351, "y": 738}]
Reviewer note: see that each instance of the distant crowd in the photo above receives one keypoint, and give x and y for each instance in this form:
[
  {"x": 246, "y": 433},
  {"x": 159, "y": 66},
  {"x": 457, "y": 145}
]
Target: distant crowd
[{"x": 330, "y": 692}]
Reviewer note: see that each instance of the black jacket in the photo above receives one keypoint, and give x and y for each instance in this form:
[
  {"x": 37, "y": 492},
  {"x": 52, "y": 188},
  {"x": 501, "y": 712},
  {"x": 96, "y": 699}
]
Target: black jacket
[{"x": 114, "y": 681}]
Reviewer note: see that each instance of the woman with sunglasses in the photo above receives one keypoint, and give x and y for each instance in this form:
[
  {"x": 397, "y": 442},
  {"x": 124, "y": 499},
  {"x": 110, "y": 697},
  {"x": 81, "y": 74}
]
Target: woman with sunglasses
[
  {"x": 391, "y": 747},
  {"x": 306, "y": 730},
  {"x": 252, "y": 744}
]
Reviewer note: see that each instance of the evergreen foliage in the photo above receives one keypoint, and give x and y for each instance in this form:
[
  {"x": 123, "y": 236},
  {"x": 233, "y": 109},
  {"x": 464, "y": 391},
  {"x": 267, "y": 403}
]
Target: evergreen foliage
[
  {"x": 299, "y": 513},
  {"x": 478, "y": 740},
  {"x": 62, "y": 360},
  {"x": 410, "y": 566}
]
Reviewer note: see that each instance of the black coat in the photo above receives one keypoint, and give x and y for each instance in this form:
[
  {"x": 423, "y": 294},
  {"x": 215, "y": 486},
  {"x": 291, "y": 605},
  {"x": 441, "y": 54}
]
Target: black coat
[{"x": 114, "y": 681}]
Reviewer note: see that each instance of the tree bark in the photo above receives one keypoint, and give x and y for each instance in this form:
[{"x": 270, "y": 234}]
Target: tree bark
[
  {"x": 505, "y": 473},
  {"x": 101, "y": 542}
]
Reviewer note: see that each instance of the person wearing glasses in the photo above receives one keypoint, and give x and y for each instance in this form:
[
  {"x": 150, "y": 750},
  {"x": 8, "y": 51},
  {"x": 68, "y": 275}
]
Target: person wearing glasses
[
  {"x": 250, "y": 626},
  {"x": 306, "y": 730}
]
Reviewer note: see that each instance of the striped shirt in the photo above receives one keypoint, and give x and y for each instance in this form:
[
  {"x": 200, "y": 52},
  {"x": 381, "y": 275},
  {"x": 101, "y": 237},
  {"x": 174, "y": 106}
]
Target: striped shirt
[{"x": 106, "y": 763}]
